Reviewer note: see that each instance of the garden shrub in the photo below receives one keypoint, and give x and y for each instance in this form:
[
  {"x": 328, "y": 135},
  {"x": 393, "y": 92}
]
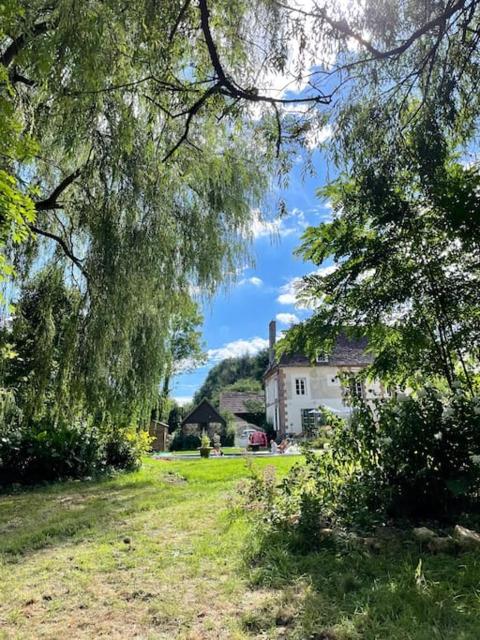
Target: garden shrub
[
  {"x": 50, "y": 449},
  {"x": 417, "y": 456},
  {"x": 44, "y": 450},
  {"x": 410, "y": 458},
  {"x": 124, "y": 448},
  {"x": 320, "y": 437},
  {"x": 227, "y": 438}
]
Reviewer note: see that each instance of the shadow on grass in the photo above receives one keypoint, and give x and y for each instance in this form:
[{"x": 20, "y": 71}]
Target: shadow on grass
[
  {"x": 399, "y": 593},
  {"x": 33, "y": 519}
]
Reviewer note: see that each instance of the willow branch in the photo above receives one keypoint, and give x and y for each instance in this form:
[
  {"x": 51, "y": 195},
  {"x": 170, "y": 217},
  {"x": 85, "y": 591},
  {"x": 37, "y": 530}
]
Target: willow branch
[
  {"x": 179, "y": 19},
  {"x": 52, "y": 201},
  {"x": 229, "y": 86},
  {"x": 16, "y": 77},
  {"x": 344, "y": 28},
  {"x": 63, "y": 244},
  {"x": 194, "y": 109},
  {"x": 19, "y": 43}
]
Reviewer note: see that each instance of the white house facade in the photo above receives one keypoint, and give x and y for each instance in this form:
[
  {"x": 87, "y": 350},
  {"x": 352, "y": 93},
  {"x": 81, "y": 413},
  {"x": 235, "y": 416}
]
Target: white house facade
[{"x": 295, "y": 388}]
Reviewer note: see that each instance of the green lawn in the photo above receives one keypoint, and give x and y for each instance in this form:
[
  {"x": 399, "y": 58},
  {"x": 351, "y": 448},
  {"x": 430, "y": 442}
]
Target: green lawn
[
  {"x": 195, "y": 452},
  {"x": 155, "y": 555}
]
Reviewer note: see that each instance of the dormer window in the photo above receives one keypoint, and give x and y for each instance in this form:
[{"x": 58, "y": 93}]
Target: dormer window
[{"x": 321, "y": 357}]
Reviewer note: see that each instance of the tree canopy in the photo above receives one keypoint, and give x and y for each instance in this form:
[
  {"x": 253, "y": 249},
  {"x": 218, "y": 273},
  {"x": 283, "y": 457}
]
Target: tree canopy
[
  {"x": 235, "y": 374},
  {"x": 137, "y": 139},
  {"x": 108, "y": 178},
  {"x": 405, "y": 243}
]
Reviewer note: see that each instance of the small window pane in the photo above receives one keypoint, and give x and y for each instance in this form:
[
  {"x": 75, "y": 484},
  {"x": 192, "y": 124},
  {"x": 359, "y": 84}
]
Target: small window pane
[{"x": 300, "y": 386}]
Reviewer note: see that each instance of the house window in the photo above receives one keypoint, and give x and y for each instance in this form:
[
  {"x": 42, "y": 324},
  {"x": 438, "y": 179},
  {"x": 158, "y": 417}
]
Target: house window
[
  {"x": 300, "y": 386},
  {"x": 356, "y": 387},
  {"x": 353, "y": 388},
  {"x": 310, "y": 421},
  {"x": 321, "y": 357}
]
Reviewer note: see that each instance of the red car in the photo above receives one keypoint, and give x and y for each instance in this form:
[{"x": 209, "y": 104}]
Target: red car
[{"x": 257, "y": 439}]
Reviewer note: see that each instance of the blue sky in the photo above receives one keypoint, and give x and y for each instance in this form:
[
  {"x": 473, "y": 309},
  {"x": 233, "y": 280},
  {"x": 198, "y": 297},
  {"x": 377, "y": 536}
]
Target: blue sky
[{"x": 236, "y": 321}]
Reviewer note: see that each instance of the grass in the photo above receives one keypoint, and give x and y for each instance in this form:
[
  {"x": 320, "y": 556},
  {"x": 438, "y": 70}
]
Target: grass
[
  {"x": 154, "y": 555},
  {"x": 150, "y": 554},
  {"x": 400, "y": 593},
  {"x": 194, "y": 452}
]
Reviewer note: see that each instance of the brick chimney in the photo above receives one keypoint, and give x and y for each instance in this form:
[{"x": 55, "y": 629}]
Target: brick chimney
[{"x": 272, "y": 337}]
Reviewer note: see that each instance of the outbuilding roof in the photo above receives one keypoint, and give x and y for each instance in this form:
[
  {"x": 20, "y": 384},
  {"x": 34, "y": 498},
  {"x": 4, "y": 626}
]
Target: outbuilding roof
[
  {"x": 237, "y": 402},
  {"x": 204, "y": 413}
]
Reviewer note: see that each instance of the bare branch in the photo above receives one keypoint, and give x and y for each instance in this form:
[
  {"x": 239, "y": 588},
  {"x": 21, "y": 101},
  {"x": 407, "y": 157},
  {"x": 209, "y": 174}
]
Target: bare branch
[
  {"x": 63, "y": 244},
  {"x": 52, "y": 201},
  {"x": 18, "y": 43}
]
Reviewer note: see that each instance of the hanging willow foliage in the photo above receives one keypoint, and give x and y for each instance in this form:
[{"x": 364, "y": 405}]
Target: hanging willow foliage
[{"x": 134, "y": 204}]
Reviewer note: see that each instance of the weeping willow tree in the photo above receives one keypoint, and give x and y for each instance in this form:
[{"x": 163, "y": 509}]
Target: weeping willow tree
[
  {"x": 136, "y": 138},
  {"x": 135, "y": 185}
]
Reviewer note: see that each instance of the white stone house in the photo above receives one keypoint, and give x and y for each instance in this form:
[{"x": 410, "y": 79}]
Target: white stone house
[{"x": 295, "y": 388}]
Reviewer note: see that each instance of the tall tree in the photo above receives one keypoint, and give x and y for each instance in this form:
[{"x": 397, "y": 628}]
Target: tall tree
[
  {"x": 140, "y": 137},
  {"x": 246, "y": 370},
  {"x": 405, "y": 241},
  {"x": 184, "y": 349},
  {"x": 142, "y": 178}
]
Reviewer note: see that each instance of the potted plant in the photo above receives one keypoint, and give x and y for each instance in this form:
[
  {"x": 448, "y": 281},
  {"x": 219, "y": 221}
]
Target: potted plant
[{"x": 205, "y": 447}]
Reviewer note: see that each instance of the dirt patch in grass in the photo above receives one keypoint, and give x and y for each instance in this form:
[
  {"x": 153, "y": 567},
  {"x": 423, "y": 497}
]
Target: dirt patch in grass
[{"x": 172, "y": 477}]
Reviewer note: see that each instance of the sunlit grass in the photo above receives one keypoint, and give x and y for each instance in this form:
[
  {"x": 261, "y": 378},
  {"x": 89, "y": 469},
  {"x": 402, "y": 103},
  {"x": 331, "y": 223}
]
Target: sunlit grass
[
  {"x": 155, "y": 554},
  {"x": 146, "y": 554}
]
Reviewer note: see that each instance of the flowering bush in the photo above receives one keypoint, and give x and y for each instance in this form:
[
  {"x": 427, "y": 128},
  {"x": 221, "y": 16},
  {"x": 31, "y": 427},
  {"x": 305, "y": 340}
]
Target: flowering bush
[
  {"x": 124, "y": 447},
  {"x": 205, "y": 440},
  {"x": 414, "y": 457}
]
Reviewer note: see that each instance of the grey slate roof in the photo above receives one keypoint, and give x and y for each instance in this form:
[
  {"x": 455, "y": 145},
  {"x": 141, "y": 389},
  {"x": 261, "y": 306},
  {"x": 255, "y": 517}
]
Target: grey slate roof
[
  {"x": 234, "y": 401},
  {"x": 347, "y": 352}
]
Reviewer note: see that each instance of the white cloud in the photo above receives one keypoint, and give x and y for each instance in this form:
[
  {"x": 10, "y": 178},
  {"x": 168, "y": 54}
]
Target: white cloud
[
  {"x": 183, "y": 400},
  {"x": 324, "y": 211},
  {"x": 263, "y": 228},
  {"x": 325, "y": 133},
  {"x": 257, "y": 282},
  {"x": 186, "y": 365},
  {"x": 238, "y": 348},
  {"x": 315, "y": 137},
  {"x": 324, "y": 271},
  {"x": 281, "y": 227},
  {"x": 289, "y": 292},
  {"x": 287, "y": 318},
  {"x": 300, "y": 220}
]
